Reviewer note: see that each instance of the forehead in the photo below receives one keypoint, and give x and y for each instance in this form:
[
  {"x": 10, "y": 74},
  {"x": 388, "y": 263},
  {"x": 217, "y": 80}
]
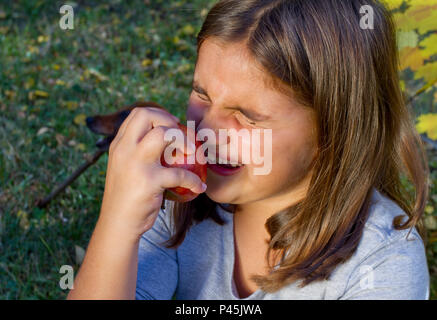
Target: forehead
[{"x": 220, "y": 64}]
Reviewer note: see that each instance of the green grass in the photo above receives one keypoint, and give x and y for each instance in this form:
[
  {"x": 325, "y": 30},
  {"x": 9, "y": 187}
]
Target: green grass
[
  {"x": 140, "y": 52},
  {"x": 118, "y": 53}
]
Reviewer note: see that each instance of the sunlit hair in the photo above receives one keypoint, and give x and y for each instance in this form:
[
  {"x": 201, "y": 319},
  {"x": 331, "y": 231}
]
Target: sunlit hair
[{"x": 366, "y": 133}]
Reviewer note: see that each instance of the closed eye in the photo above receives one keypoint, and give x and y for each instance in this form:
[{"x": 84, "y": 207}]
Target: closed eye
[{"x": 246, "y": 119}]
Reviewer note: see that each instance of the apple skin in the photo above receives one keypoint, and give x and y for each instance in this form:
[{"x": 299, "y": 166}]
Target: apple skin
[{"x": 181, "y": 194}]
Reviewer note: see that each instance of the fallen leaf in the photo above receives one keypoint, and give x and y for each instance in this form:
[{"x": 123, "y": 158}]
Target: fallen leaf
[
  {"x": 79, "y": 254},
  {"x": 10, "y": 94},
  {"x": 430, "y": 222},
  {"x": 60, "y": 139},
  {"x": 80, "y": 147},
  {"x": 23, "y": 217},
  {"x": 71, "y": 105},
  {"x": 80, "y": 119},
  {"x": 99, "y": 76},
  {"x": 38, "y": 94},
  {"x": 42, "y": 39},
  {"x": 146, "y": 62},
  {"x": 42, "y": 130},
  {"x": 188, "y": 30}
]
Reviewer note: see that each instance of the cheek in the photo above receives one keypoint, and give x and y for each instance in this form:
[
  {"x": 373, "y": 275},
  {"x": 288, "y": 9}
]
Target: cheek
[{"x": 293, "y": 154}]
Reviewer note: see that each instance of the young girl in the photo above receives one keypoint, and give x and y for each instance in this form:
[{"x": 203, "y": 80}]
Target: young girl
[{"x": 330, "y": 221}]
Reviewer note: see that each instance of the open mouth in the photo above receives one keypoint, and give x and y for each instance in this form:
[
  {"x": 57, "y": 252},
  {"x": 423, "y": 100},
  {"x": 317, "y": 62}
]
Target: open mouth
[{"x": 225, "y": 169}]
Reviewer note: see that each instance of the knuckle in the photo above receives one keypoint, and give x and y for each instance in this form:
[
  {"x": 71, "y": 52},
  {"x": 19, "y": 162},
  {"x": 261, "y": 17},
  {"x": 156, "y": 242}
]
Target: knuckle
[
  {"x": 140, "y": 112},
  {"x": 112, "y": 147},
  {"x": 159, "y": 131},
  {"x": 180, "y": 175}
]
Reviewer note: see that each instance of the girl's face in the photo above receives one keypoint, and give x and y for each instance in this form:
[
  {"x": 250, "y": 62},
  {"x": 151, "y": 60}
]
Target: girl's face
[{"x": 230, "y": 90}]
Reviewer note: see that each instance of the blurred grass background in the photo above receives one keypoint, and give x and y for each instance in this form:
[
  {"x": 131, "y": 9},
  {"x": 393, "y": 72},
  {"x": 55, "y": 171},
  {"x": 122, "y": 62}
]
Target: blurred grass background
[{"x": 50, "y": 79}]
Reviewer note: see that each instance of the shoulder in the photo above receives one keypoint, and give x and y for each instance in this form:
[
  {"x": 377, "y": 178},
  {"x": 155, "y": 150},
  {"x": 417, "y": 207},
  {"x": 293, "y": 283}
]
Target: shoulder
[
  {"x": 379, "y": 231},
  {"x": 388, "y": 263}
]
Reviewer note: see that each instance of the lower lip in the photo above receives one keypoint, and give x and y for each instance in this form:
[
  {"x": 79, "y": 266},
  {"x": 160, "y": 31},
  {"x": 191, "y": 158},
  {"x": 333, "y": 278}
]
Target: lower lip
[{"x": 223, "y": 171}]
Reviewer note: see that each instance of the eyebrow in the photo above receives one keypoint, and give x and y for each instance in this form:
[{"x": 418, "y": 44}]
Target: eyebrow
[{"x": 248, "y": 113}]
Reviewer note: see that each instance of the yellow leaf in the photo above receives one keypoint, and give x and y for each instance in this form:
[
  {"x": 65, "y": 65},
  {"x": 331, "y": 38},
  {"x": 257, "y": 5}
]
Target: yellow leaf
[
  {"x": 203, "y": 13},
  {"x": 402, "y": 84},
  {"x": 80, "y": 146},
  {"x": 41, "y": 94},
  {"x": 146, "y": 62},
  {"x": 430, "y": 45},
  {"x": 24, "y": 219},
  {"x": 33, "y": 49},
  {"x": 394, "y": 4},
  {"x": 71, "y": 105},
  {"x": 411, "y": 58},
  {"x": 80, "y": 119},
  {"x": 420, "y": 16},
  {"x": 38, "y": 94},
  {"x": 427, "y": 123},
  {"x": 30, "y": 82},
  {"x": 428, "y": 72},
  {"x": 429, "y": 209},
  {"x": 42, "y": 39},
  {"x": 10, "y": 94},
  {"x": 188, "y": 29},
  {"x": 176, "y": 40},
  {"x": 60, "y": 82}
]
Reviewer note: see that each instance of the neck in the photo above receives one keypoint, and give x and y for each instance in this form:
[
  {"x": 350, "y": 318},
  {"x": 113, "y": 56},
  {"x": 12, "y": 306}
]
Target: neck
[{"x": 261, "y": 210}]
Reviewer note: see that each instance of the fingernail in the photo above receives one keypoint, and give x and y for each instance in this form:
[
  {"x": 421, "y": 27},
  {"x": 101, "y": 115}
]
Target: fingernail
[{"x": 204, "y": 186}]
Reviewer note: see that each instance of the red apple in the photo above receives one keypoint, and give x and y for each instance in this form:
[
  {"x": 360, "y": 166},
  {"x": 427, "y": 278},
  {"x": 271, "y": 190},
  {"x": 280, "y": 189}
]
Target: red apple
[{"x": 181, "y": 194}]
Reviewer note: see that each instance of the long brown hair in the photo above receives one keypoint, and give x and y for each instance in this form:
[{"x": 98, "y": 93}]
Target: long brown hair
[{"x": 366, "y": 133}]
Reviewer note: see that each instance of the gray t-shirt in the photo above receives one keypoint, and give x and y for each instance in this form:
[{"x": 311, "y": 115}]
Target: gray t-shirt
[{"x": 385, "y": 265}]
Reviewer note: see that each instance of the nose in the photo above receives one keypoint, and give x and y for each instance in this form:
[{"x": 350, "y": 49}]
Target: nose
[{"x": 90, "y": 121}]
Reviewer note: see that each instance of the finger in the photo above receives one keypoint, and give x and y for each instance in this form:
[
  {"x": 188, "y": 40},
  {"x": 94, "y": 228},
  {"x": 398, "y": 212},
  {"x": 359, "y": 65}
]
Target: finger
[
  {"x": 164, "y": 140},
  {"x": 178, "y": 177},
  {"x": 165, "y": 112},
  {"x": 144, "y": 120},
  {"x": 124, "y": 124}
]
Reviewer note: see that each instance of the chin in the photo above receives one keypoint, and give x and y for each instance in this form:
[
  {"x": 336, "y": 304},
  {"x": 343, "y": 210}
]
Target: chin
[
  {"x": 219, "y": 197},
  {"x": 222, "y": 194}
]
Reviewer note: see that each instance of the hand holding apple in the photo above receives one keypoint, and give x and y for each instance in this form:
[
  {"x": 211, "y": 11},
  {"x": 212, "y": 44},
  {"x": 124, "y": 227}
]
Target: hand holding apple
[
  {"x": 181, "y": 194},
  {"x": 136, "y": 178}
]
